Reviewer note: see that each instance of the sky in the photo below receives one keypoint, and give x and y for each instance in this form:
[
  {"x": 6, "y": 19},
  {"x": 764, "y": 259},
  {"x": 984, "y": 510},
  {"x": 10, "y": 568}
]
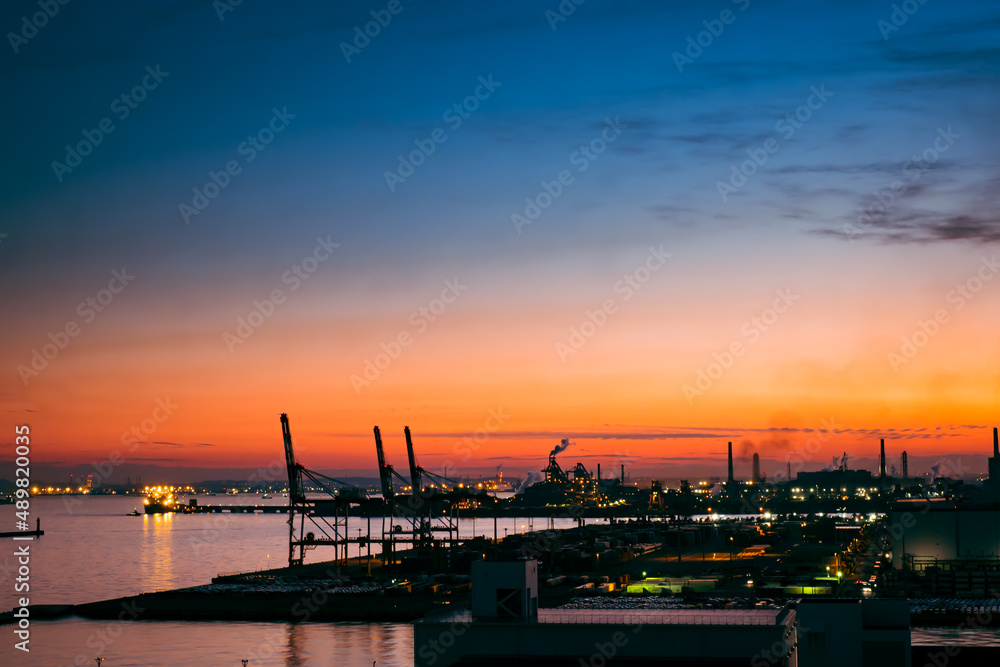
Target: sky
[{"x": 648, "y": 227}]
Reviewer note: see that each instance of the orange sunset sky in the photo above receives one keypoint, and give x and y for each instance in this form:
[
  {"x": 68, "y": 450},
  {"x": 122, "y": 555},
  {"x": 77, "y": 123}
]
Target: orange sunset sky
[{"x": 782, "y": 242}]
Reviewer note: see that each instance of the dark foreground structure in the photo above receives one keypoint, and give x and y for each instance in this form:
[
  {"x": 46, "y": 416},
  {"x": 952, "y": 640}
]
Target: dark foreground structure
[{"x": 504, "y": 626}]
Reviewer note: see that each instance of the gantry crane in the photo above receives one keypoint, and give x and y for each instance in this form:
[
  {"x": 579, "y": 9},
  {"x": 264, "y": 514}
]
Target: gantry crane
[{"x": 328, "y": 512}]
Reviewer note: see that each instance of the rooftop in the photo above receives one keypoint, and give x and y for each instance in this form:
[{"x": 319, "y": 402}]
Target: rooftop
[{"x": 640, "y": 616}]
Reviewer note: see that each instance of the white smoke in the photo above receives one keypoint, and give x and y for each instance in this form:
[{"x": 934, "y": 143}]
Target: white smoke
[
  {"x": 532, "y": 478},
  {"x": 935, "y": 471}
]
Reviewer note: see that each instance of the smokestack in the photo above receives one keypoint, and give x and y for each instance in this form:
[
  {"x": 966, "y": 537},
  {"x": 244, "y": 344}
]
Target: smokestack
[
  {"x": 623, "y": 473},
  {"x": 598, "y": 471},
  {"x": 730, "y": 463},
  {"x": 906, "y": 474},
  {"x": 996, "y": 443},
  {"x": 789, "y": 471},
  {"x": 756, "y": 468},
  {"x": 881, "y": 465}
]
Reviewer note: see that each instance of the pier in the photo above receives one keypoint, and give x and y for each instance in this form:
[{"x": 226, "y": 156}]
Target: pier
[
  {"x": 37, "y": 532},
  {"x": 234, "y": 509}
]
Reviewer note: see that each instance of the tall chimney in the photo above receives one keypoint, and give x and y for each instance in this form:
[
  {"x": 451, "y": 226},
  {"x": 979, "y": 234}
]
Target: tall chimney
[
  {"x": 881, "y": 465},
  {"x": 789, "y": 471},
  {"x": 756, "y": 468},
  {"x": 730, "y": 462},
  {"x": 996, "y": 443},
  {"x": 598, "y": 471},
  {"x": 903, "y": 462},
  {"x": 623, "y": 473}
]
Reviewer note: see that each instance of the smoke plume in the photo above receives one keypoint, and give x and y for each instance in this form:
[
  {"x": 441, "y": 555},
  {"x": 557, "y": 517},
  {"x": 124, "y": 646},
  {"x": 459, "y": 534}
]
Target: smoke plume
[
  {"x": 532, "y": 478},
  {"x": 561, "y": 447}
]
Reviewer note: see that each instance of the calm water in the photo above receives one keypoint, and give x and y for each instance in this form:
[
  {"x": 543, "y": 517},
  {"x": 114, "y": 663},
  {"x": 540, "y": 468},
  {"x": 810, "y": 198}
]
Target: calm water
[
  {"x": 170, "y": 644},
  {"x": 956, "y": 636},
  {"x": 93, "y": 551}
]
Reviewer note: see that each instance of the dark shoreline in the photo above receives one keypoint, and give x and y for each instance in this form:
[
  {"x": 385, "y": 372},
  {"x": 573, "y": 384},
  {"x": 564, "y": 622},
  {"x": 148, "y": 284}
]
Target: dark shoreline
[
  {"x": 298, "y": 607},
  {"x": 284, "y": 607}
]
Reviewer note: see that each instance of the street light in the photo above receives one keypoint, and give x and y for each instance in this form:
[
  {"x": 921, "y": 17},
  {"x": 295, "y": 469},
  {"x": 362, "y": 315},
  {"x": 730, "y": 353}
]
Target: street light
[{"x": 99, "y": 661}]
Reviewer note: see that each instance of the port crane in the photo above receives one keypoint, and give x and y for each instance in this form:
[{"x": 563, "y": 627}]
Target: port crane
[
  {"x": 427, "y": 510},
  {"x": 328, "y": 513}
]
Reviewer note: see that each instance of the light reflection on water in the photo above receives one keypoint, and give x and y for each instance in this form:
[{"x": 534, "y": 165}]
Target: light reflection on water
[
  {"x": 78, "y": 641},
  {"x": 92, "y": 551}
]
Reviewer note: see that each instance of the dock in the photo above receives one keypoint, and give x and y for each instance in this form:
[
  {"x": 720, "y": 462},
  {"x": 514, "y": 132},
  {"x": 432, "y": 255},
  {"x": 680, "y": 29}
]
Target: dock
[
  {"x": 234, "y": 509},
  {"x": 24, "y": 533},
  {"x": 37, "y": 532}
]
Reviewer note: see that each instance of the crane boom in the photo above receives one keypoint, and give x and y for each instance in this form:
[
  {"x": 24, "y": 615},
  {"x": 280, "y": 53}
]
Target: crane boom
[
  {"x": 384, "y": 471},
  {"x": 294, "y": 476},
  {"x": 414, "y": 470}
]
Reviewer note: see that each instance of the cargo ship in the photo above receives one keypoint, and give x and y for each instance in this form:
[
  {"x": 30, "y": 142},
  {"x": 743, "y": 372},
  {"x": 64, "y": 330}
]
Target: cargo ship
[{"x": 159, "y": 503}]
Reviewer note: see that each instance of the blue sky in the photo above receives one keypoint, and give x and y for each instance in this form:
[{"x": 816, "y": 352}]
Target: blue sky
[{"x": 890, "y": 96}]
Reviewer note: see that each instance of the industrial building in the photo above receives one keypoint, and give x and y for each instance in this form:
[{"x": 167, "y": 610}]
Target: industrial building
[
  {"x": 937, "y": 533},
  {"x": 834, "y": 484},
  {"x": 853, "y": 632},
  {"x": 506, "y": 627}
]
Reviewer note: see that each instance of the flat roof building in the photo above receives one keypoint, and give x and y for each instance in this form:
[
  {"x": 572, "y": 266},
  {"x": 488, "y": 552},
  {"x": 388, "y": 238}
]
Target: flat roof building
[{"x": 507, "y": 628}]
